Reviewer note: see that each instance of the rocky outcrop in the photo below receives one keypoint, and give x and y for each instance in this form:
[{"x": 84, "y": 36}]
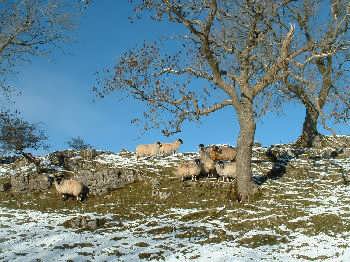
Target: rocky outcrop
[
  {"x": 85, "y": 223},
  {"x": 99, "y": 177},
  {"x": 102, "y": 180},
  {"x": 30, "y": 182},
  {"x": 102, "y": 172},
  {"x": 5, "y": 186}
]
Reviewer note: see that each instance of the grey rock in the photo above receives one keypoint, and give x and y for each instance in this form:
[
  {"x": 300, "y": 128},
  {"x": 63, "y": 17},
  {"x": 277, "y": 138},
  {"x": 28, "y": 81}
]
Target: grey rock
[
  {"x": 85, "y": 223},
  {"x": 4, "y": 187},
  {"x": 88, "y": 154},
  {"x": 30, "y": 182},
  {"x": 106, "y": 179}
]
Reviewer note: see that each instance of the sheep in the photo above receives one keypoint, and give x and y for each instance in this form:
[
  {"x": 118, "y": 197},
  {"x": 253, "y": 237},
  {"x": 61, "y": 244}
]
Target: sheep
[
  {"x": 189, "y": 169},
  {"x": 168, "y": 149},
  {"x": 71, "y": 187},
  {"x": 208, "y": 165},
  {"x": 222, "y": 153},
  {"x": 226, "y": 169},
  {"x": 148, "y": 150},
  {"x": 205, "y": 148}
]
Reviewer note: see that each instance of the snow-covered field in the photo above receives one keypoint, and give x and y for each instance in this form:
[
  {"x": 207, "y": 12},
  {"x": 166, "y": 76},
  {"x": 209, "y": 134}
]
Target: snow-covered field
[{"x": 305, "y": 217}]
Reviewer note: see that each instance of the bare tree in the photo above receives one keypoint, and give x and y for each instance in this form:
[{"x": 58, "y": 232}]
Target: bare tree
[
  {"x": 17, "y": 136},
  {"x": 77, "y": 143},
  {"x": 319, "y": 79},
  {"x": 31, "y": 28},
  {"x": 227, "y": 54}
]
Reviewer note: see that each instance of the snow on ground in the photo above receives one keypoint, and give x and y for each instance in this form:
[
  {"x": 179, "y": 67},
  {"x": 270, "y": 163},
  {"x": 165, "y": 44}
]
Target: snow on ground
[
  {"x": 30, "y": 235},
  {"x": 154, "y": 164},
  {"x": 305, "y": 219}
]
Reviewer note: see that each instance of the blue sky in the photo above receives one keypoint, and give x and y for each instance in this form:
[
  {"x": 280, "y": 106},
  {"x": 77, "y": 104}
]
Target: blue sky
[{"x": 57, "y": 91}]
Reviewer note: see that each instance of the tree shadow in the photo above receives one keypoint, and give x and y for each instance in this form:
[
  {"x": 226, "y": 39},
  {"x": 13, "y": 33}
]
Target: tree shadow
[{"x": 280, "y": 162}]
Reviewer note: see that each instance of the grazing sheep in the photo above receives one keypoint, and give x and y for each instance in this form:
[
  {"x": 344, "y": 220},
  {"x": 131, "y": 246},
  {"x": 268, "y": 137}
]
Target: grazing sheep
[
  {"x": 222, "y": 153},
  {"x": 71, "y": 187},
  {"x": 189, "y": 169},
  {"x": 168, "y": 149},
  {"x": 148, "y": 150},
  {"x": 208, "y": 165},
  {"x": 226, "y": 169}
]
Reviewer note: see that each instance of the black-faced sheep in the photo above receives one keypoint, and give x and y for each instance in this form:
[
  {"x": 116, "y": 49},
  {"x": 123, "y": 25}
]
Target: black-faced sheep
[
  {"x": 148, "y": 150},
  {"x": 168, "y": 149},
  {"x": 189, "y": 169},
  {"x": 71, "y": 187},
  {"x": 208, "y": 165},
  {"x": 222, "y": 153},
  {"x": 226, "y": 170}
]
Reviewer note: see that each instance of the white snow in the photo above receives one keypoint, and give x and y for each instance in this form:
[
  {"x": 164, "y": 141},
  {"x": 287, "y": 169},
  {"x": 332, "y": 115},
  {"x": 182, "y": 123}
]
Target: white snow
[{"x": 264, "y": 231}]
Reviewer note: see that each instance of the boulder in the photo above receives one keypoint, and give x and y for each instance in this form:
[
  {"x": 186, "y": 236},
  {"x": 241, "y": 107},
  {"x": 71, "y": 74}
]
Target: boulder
[
  {"x": 88, "y": 154},
  {"x": 105, "y": 179},
  {"x": 4, "y": 187},
  {"x": 30, "y": 182},
  {"x": 60, "y": 158},
  {"x": 85, "y": 223}
]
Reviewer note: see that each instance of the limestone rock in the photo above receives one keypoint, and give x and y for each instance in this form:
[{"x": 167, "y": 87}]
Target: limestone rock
[
  {"x": 30, "y": 182},
  {"x": 4, "y": 187},
  {"x": 85, "y": 223},
  {"x": 103, "y": 180}
]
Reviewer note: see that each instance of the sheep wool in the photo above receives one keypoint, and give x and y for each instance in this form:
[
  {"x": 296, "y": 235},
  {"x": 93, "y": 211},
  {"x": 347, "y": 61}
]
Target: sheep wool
[
  {"x": 226, "y": 169},
  {"x": 208, "y": 165},
  {"x": 168, "y": 149},
  {"x": 189, "y": 169},
  {"x": 148, "y": 150},
  {"x": 70, "y": 187},
  {"x": 222, "y": 153}
]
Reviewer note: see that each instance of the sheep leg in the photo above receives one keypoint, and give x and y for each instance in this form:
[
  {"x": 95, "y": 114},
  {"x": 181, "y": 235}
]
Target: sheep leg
[
  {"x": 80, "y": 197},
  {"x": 64, "y": 197}
]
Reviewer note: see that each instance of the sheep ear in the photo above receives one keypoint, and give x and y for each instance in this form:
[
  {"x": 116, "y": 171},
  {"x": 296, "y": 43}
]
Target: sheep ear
[
  {"x": 200, "y": 145},
  {"x": 180, "y": 140}
]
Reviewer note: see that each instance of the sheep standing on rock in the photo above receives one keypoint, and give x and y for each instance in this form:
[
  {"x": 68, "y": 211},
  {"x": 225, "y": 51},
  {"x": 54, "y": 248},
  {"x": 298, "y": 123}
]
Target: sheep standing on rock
[
  {"x": 71, "y": 187},
  {"x": 189, "y": 169},
  {"x": 148, "y": 150},
  {"x": 208, "y": 165},
  {"x": 222, "y": 153},
  {"x": 226, "y": 169},
  {"x": 170, "y": 148}
]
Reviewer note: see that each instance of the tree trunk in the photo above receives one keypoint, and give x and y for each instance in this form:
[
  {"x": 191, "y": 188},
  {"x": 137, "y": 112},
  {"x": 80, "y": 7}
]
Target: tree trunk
[
  {"x": 310, "y": 132},
  {"x": 245, "y": 187}
]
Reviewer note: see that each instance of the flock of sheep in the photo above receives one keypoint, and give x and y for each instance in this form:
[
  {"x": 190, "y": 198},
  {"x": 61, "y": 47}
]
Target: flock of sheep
[
  {"x": 216, "y": 161},
  {"x": 157, "y": 149}
]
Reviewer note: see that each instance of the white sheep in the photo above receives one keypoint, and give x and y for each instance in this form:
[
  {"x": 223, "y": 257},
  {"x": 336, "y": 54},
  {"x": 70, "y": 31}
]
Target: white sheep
[
  {"x": 71, "y": 187},
  {"x": 189, "y": 169},
  {"x": 208, "y": 165},
  {"x": 148, "y": 150},
  {"x": 226, "y": 169},
  {"x": 168, "y": 149}
]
